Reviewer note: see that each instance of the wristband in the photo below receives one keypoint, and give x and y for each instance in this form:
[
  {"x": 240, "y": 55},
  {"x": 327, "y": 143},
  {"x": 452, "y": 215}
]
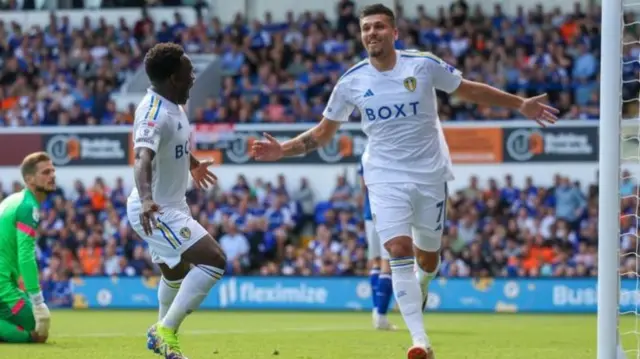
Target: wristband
[{"x": 37, "y": 298}]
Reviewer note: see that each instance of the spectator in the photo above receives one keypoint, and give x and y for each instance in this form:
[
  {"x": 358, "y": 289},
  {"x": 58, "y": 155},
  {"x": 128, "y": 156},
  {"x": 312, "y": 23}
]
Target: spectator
[
  {"x": 570, "y": 203},
  {"x": 112, "y": 260},
  {"x": 90, "y": 256},
  {"x": 236, "y": 246},
  {"x": 342, "y": 193}
]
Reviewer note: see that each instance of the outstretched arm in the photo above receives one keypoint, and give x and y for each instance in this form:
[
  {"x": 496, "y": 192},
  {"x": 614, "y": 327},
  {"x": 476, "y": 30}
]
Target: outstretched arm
[
  {"x": 310, "y": 140},
  {"x": 484, "y": 94},
  {"x": 338, "y": 110},
  {"x": 446, "y": 78}
]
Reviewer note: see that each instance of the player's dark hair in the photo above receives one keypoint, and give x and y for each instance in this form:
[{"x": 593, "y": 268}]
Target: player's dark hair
[
  {"x": 30, "y": 163},
  {"x": 378, "y": 9},
  {"x": 162, "y": 61}
]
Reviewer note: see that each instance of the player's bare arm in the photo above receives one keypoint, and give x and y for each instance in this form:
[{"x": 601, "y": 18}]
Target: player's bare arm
[
  {"x": 483, "y": 94},
  {"x": 312, "y": 139},
  {"x": 308, "y": 141},
  {"x": 142, "y": 172},
  {"x": 142, "y": 168}
]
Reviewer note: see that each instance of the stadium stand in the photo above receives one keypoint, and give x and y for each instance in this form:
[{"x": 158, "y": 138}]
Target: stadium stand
[
  {"x": 61, "y": 75},
  {"x": 283, "y": 72}
]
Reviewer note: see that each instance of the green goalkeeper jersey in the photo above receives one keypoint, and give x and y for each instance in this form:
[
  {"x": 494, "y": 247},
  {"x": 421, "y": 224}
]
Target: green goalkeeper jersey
[{"x": 19, "y": 216}]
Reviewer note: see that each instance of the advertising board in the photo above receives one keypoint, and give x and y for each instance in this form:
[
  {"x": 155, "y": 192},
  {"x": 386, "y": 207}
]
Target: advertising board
[{"x": 552, "y": 295}]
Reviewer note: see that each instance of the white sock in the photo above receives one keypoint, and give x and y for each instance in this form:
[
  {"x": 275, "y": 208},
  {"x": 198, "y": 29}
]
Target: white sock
[
  {"x": 409, "y": 298},
  {"x": 195, "y": 287},
  {"x": 425, "y": 278},
  {"x": 167, "y": 290}
]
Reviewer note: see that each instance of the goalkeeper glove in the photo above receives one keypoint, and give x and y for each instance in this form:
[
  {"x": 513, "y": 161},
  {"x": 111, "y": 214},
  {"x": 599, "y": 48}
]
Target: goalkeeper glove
[{"x": 41, "y": 314}]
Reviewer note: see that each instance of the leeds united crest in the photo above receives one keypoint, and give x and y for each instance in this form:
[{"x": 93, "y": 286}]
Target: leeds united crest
[
  {"x": 185, "y": 233},
  {"x": 410, "y": 83}
]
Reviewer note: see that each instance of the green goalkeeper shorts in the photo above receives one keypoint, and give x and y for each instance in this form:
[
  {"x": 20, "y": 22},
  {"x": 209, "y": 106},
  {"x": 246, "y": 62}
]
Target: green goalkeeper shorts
[{"x": 16, "y": 308}]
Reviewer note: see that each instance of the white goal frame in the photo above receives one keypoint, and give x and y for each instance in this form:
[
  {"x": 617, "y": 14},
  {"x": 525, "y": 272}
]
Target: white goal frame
[{"x": 609, "y": 178}]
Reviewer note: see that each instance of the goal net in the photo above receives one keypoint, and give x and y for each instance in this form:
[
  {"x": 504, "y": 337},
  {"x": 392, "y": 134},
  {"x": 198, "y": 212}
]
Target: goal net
[{"x": 619, "y": 168}]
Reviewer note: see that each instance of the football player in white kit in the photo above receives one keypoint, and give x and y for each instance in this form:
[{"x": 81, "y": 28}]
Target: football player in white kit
[
  {"x": 190, "y": 260},
  {"x": 406, "y": 163},
  {"x": 379, "y": 268}
]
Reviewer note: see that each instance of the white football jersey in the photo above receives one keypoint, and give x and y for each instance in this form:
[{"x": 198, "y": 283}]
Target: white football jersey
[
  {"x": 399, "y": 116},
  {"x": 163, "y": 127}
]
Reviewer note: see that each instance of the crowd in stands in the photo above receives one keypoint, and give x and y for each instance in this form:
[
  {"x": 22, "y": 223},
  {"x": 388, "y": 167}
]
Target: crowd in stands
[
  {"x": 497, "y": 230},
  {"x": 283, "y": 72},
  {"x": 92, "y": 4}
]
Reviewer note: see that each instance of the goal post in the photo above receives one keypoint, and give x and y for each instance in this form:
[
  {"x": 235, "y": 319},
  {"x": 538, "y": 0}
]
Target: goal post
[{"x": 609, "y": 179}]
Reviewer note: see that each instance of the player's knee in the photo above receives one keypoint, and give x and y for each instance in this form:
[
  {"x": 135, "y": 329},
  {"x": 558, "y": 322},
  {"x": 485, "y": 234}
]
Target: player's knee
[
  {"x": 428, "y": 261},
  {"x": 399, "y": 247},
  {"x": 176, "y": 273},
  {"x": 208, "y": 252}
]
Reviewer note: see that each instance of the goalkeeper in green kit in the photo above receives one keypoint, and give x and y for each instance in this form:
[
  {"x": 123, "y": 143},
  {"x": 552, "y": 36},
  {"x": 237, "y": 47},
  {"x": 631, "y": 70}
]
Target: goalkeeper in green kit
[{"x": 24, "y": 316}]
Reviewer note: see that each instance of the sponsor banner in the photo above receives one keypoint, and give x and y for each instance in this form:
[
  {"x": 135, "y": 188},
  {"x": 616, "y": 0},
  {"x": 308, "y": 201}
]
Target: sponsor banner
[
  {"x": 353, "y": 293},
  {"x": 88, "y": 149},
  {"x": 15, "y": 147},
  {"x": 551, "y": 144},
  {"x": 474, "y": 145},
  {"x": 233, "y": 293},
  {"x": 485, "y": 142},
  {"x": 231, "y": 144}
]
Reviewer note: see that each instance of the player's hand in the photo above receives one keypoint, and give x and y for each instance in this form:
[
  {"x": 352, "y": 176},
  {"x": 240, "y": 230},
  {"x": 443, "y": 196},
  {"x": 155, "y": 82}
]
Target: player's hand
[
  {"x": 202, "y": 176},
  {"x": 147, "y": 217},
  {"x": 43, "y": 319},
  {"x": 535, "y": 109},
  {"x": 267, "y": 150}
]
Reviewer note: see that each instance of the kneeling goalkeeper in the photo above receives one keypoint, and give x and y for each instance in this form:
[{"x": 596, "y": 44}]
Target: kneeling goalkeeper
[{"x": 24, "y": 316}]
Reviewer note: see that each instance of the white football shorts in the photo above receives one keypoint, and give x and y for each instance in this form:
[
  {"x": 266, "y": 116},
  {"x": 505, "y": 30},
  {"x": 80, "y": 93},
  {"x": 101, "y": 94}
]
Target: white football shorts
[
  {"x": 176, "y": 231},
  {"x": 376, "y": 249},
  {"x": 413, "y": 210}
]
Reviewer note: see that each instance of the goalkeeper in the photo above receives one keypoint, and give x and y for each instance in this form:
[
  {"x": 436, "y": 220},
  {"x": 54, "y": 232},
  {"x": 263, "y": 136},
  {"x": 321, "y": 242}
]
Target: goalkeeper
[{"x": 24, "y": 316}]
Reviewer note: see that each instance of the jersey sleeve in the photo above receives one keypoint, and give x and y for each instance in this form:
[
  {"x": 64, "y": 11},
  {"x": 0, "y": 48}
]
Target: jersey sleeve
[
  {"x": 148, "y": 126},
  {"x": 339, "y": 107},
  {"x": 27, "y": 218},
  {"x": 444, "y": 77}
]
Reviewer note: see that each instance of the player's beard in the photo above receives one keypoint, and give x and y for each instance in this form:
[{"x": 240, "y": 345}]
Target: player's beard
[
  {"x": 379, "y": 52},
  {"x": 44, "y": 190},
  {"x": 375, "y": 53}
]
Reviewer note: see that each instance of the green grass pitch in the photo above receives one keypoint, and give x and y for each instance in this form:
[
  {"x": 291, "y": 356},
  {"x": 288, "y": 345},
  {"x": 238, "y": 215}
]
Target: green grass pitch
[{"x": 281, "y": 335}]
